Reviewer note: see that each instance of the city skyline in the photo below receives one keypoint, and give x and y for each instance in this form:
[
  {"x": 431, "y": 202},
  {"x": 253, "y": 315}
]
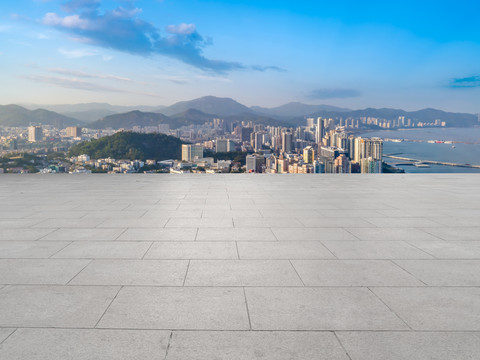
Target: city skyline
[{"x": 405, "y": 55}]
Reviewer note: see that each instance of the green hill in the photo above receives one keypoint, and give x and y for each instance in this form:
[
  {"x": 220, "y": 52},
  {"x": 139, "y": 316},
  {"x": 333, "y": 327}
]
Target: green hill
[{"x": 130, "y": 145}]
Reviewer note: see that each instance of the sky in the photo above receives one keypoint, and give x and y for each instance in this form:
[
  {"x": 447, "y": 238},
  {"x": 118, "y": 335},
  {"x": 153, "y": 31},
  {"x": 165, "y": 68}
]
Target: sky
[{"x": 357, "y": 54}]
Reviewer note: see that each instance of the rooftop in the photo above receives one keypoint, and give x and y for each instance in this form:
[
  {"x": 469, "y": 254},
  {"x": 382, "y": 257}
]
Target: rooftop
[{"x": 274, "y": 267}]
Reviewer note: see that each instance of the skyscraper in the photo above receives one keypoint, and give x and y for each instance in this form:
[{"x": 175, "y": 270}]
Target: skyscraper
[
  {"x": 74, "y": 131},
  {"x": 35, "y": 133},
  {"x": 319, "y": 131},
  {"x": 191, "y": 152},
  {"x": 287, "y": 142}
]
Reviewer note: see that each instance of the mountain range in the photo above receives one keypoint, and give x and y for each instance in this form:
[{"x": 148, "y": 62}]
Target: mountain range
[{"x": 198, "y": 111}]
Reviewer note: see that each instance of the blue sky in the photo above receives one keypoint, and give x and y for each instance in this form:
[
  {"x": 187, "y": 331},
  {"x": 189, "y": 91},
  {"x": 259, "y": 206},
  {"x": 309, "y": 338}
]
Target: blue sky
[{"x": 402, "y": 54}]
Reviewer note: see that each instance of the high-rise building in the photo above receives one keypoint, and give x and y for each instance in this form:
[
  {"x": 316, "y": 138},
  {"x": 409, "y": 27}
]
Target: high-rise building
[
  {"x": 257, "y": 141},
  {"x": 342, "y": 165},
  {"x": 246, "y": 134},
  {"x": 287, "y": 139},
  {"x": 255, "y": 163},
  {"x": 74, "y": 131},
  {"x": 35, "y": 133},
  {"x": 319, "y": 131},
  {"x": 370, "y": 166},
  {"x": 308, "y": 155},
  {"x": 224, "y": 145},
  {"x": 191, "y": 152}
]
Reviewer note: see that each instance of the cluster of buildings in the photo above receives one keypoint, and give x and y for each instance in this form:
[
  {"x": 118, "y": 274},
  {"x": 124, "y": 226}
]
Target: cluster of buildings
[{"x": 321, "y": 146}]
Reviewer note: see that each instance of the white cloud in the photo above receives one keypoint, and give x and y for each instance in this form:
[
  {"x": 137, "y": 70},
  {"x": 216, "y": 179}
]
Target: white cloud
[
  {"x": 77, "y": 53},
  {"x": 182, "y": 29},
  {"x": 69, "y": 22}
]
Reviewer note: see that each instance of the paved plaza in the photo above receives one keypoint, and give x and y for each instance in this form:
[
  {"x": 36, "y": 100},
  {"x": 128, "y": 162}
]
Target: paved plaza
[{"x": 214, "y": 267}]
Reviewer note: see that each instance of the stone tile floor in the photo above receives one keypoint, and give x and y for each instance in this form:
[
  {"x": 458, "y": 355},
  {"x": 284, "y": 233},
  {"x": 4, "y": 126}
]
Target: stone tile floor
[{"x": 240, "y": 267}]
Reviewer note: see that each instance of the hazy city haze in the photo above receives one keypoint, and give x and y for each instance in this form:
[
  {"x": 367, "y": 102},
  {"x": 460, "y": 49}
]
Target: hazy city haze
[{"x": 266, "y": 53}]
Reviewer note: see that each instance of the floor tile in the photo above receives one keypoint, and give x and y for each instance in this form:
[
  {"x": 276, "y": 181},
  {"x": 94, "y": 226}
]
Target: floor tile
[
  {"x": 54, "y": 306},
  {"x": 241, "y": 273},
  {"x": 84, "y": 234},
  {"x": 104, "y": 250},
  {"x": 283, "y": 250},
  {"x": 76, "y": 344},
  {"x": 192, "y": 250},
  {"x": 435, "y": 308},
  {"x": 367, "y": 345},
  {"x": 391, "y": 234},
  {"x": 306, "y": 234},
  {"x": 30, "y": 249},
  {"x": 133, "y": 272},
  {"x": 177, "y": 308},
  {"x": 353, "y": 273},
  {"x": 39, "y": 271},
  {"x": 236, "y": 234},
  {"x": 250, "y": 345},
  {"x": 444, "y": 272},
  {"x": 319, "y": 309},
  {"x": 375, "y": 250},
  {"x": 152, "y": 234}
]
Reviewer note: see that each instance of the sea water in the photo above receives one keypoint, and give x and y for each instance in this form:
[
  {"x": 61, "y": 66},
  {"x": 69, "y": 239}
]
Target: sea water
[{"x": 465, "y": 150}]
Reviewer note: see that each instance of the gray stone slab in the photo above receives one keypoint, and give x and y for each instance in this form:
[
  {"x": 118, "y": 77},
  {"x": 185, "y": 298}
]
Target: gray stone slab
[
  {"x": 335, "y": 222},
  {"x": 23, "y": 234},
  {"x": 411, "y": 345},
  {"x": 230, "y": 213},
  {"x": 5, "y": 333},
  {"x": 444, "y": 272},
  {"x": 261, "y": 222},
  {"x": 84, "y": 234},
  {"x": 435, "y": 308},
  {"x": 236, "y": 234},
  {"x": 68, "y": 223},
  {"x": 30, "y": 249},
  {"x": 134, "y": 223},
  {"x": 450, "y": 249},
  {"x": 353, "y": 273},
  {"x": 133, "y": 272},
  {"x": 241, "y": 273},
  {"x": 375, "y": 250},
  {"x": 172, "y": 214},
  {"x": 192, "y": 250},
  {"x": 286, "y": 308},
  {"x": 391, "y": 234},
  {"x": 177, "y": 308},
  {"x": 283, "y": 250},
  {"x": 115, "y": 214},
  {"x": 248, "y": 345},
  {"x": 405, "y": 222},
  {"x": 82, "y": 344},
  {"x": 39, "y": 271},
  {"x": 54, "y": 306},
  {"x": 455, "y": 233},
  {"x": 199, "y": 223},
  {"x": 104, "y": 250},
  {"x": 17, "y": 223},
  {"x": 151, "y": 234},
  {"x": 56, "y": 214},
  {"x": 302, "y": 234}
]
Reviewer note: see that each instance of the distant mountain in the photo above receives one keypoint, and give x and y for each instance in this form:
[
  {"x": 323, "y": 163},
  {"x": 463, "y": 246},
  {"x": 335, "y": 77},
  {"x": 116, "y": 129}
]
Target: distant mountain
[
  {"x": 129, "y": 120},
  {"x": 425, "y": 115},
  {"x": 296, "y": 109},
  {"x": 130, "y": 145},
  {"x": 209, "y": 105},
  {"x": 14, "y": 115},
  {"x": 190, "y": 117},
  {"x": 89, "y": 112}
]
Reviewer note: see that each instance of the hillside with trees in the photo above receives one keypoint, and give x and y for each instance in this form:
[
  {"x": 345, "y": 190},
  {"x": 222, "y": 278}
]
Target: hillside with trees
[{"x": 130, "y": 145}]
